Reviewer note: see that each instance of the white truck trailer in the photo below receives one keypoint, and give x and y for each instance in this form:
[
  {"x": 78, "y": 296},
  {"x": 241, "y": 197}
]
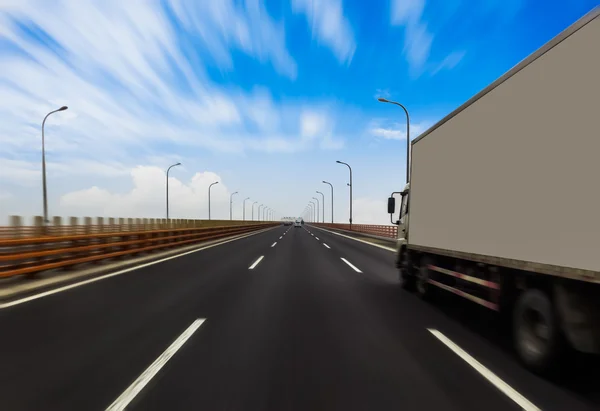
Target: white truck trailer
[{"x": 503, "y": 201}]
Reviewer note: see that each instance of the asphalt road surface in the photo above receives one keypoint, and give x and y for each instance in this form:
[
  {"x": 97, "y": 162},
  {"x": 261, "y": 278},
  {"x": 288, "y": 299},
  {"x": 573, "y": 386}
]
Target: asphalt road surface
[{"x": 287, "y": 319}]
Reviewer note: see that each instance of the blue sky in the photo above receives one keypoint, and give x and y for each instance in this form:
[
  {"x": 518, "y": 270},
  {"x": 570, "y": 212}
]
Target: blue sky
[{"x": 260, "y": 96}]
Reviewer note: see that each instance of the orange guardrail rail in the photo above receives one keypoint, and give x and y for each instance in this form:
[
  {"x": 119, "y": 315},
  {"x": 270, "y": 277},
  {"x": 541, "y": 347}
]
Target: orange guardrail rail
[
  {"x": 390, "y": 231},
  {"x": 31, "y": 255}
]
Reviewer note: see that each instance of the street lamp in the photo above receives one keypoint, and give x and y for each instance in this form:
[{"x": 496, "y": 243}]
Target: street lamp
[
  {"x": 331, "y": 185},
  {"x": 258, "y": 216},
  {"x": 349, "y": 168},
  {"x": 231, "y": 206},
  {"x": 310, "y": 212},
  {"x": 174, "y": 165},
  {"x": 322, "y": 205},
  {"x": 314, "y": 208},
  {"x": 209, "y": 187},
  {"x": 264, "y": 212},
  {"x": 45, "y": 195},
  {"x": 244, "y": 211},
  {"x": 317, "y": 200},
  {"x": 253, "y": 209},
  {"x": 383, "y": 100}
]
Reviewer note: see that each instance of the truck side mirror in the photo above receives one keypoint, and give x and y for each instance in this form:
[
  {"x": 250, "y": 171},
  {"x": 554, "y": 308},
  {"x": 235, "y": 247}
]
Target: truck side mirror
[{"x": 391, "y": 205}]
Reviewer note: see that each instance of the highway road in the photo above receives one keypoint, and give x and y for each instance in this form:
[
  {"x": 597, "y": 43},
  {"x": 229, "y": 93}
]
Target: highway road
[{"x": 286, "y": 319}]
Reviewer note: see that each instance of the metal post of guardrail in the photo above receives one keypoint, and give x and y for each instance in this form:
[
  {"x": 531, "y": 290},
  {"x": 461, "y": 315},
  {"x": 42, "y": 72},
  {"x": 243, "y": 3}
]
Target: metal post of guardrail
[
  {"x": 56, "y": 226},
  {"x": 16, "y": 223},
  {"x": 38, "y": 223}
]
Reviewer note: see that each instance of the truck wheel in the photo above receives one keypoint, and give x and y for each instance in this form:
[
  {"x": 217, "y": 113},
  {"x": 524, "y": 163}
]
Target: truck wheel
[
  {"x": 536, "y": 332},
  {"x": 407, "y": 281},
  {"x": 424, "y": 289}
]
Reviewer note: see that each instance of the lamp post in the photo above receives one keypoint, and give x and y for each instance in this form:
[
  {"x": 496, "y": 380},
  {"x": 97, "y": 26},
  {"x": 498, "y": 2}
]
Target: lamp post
[
  {"x": 264, "y": 212},
  {"x": 314, "y": 209},
  {"x": 317, "y": 200},
  {"x": 253, "y": 209},
  {"x": 45, "y": 193},
  {"x": 174, "y": 165},
  {"x": 310, "y": 212},
  {"x": 258, "y": 216},
  {"x": 349, "y": 168},
  {"x": 383, "y": 100},
  {"x": 331, "y": 185},
  {"x": 231, "y": 206},
  {"x": 209, "y": 187},
  {"x": 323, "y": 206},
  {"x": 244, "y": 211}
]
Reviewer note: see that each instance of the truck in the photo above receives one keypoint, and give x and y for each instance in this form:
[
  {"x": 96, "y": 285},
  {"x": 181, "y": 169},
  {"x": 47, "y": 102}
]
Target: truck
[{"x": 502, "y": 201}]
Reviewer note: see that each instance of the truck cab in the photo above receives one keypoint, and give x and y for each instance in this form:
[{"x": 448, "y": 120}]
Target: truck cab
[{"x": 402, "y": 221}]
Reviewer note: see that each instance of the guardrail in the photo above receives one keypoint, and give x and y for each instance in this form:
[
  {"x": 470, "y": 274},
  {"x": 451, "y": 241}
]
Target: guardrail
[
  {"x": 390, "y": 231},
  {"x": 89, "y": 225},
  {"x": 28, "y": 256}
]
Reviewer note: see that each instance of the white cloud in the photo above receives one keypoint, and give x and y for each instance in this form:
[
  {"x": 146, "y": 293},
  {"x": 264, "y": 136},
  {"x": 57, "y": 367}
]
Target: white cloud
[
  {"x": 186, "y": 199},
  {"x": 370, "y": 211},
  {"x": 312, "y": 125},
  {"x": 223, "y": 23},
  {"x": 131, "y": 85},
  {"x": 397, "y": 131},
  {"x": 419, "y": 38},
  {"x": 327, "y": 22},
  {"x": 450, "y": 61}
]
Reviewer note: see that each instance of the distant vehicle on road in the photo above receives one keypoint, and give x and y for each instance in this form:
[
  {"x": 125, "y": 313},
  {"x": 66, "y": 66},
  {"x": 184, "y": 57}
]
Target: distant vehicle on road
[
  {"x": 501, "y": 207},
  {"x": 298, "y": 222}
]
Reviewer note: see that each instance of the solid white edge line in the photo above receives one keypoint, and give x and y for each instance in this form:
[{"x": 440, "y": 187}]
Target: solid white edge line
[
  {"x": 350, "y": 264},
  {"x": 506, "y": 389},
  {"x": 126, "y": 270},
  {"x": 138, "y": 385},
  {"x": 273, "y": 245},
  {"x": 360, "y": 241},
  {"x": 256, "y": 262},
  {"x": 326, "y": 245}
]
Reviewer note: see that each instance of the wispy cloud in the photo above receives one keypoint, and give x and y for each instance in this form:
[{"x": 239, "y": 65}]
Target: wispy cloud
[
  {"x": 223, "y": 25},
  {"x": 131, "y": 84},
  {"x": 396, "y": 131},
  {"x": 449, "y": 62},
  {"x": 327, "y": 21},
  {"x": 419, "y": 38}
]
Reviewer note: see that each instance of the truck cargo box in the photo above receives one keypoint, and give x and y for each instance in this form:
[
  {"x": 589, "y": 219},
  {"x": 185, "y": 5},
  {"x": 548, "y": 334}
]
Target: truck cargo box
[{"x": 514, "y": 173}]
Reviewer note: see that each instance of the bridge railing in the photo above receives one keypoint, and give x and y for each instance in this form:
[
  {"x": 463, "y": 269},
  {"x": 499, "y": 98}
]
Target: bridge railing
[
  {"x": 390, "y": 231},
  {"x": 18, "y": 227},
  {"x": 30, "y": 250}
]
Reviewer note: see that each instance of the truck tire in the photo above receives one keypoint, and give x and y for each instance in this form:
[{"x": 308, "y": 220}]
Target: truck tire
[
  {"x": 424, "y": 289},
  {"x": 536, "y": 332},
  {"x": 407, "y": 281}
]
